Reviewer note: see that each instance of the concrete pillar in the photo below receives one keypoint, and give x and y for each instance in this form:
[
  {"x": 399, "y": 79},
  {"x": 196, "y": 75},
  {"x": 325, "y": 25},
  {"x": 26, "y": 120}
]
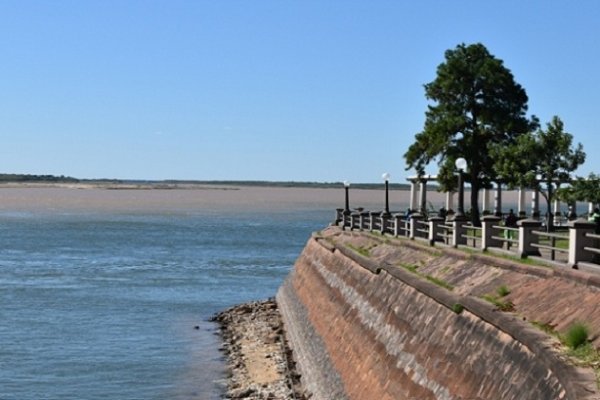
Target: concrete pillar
[
  {"x": 485, "y": 202},
  {"x": 414, "y": 225},
  {"x": 521, "y": 203},
  {"x": 590, "y": 208},
  {"x": 535, "y": 203},
  {"x": 373, "y": 215},
  {"x": 458, "y": 231},
  {"x": 527, "y": 238},
  {"x": 356, "y": 221},
  {"x": 487, "y": 224},
  {"x": 385, "y": 219},
  {"x": 398, "y": 224},
  {"x": 556, "y": 212},
  {"x": 423, "y": 195},
  {"x": 498, "y": 200},
  {"x": 338, "y": 216},
  {"x": 578, "y": 230},
  {"x": 450, "y": 201},
  {"x": 413, "y": 195},
  {"x": 435, "y": 230}
]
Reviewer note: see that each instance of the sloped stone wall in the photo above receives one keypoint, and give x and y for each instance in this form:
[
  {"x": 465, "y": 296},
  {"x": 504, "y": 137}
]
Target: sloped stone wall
[{"x": 363, "y": 331}]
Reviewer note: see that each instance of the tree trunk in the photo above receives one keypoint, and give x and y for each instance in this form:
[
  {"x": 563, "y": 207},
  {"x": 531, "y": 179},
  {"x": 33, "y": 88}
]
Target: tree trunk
[
  {"x": 475, "y": 203},
  {"x": 549, "y": 216}
]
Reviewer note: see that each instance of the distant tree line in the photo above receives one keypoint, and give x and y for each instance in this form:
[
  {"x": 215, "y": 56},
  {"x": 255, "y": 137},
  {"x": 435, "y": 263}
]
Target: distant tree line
[{"x": 36, "y": 178}]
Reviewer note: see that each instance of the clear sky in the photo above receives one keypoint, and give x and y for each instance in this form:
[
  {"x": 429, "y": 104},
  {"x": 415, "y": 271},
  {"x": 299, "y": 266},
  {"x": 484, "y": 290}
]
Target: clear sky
[{"x": 267, "y": 90}]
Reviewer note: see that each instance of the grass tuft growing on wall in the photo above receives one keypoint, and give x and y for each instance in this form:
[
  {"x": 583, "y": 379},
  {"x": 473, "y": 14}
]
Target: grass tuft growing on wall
[{"x": 576, "y": 335}]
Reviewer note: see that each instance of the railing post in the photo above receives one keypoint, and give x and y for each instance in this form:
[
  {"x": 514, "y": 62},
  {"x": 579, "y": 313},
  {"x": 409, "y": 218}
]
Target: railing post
[
  {"x": 578, "y": 239},
  {"x": 527, "y": 238},
  {"x": 435, "y": 230},
  {"x": 346, "y": 221},
  {"x": 338, "y": 216},
  {"x": 397, "y": 224},
  {"x": 372, "y": 218},
  {"x": 363, "y": 220},
  {"x": 385, "y": 217},
  {"x": 414, "y": 222},
  {"x": 350, "y": 218},
  {"x": 488, "y": 230},
  {"x": 458, "y": 231}
]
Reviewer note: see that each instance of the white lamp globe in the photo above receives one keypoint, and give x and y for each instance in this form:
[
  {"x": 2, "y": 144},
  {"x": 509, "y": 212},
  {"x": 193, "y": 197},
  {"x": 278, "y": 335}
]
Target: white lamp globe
[{"x": 461, "y": 164}]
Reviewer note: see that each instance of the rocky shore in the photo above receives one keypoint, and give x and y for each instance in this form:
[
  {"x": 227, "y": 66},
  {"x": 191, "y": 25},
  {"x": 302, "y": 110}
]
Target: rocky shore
[{"x": 258, "y": 358}]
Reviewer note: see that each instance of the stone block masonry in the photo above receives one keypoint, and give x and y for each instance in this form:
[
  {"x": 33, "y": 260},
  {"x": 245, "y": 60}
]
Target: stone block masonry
[{"x": 367, "y": 332}]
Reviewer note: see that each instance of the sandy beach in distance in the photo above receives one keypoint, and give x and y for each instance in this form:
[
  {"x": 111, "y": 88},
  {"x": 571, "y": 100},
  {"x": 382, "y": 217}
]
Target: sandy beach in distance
[{"x": 82, "y": 197}]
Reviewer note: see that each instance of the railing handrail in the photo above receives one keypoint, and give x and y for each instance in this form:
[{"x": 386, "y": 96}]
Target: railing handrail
[
  {"x": 506, "y": 228},
  {"x": 550, "y": 235},
  {"x": 553, "y": 248}
]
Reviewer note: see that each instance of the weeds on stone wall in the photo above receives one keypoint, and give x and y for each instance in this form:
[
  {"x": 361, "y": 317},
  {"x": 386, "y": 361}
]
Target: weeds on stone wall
[
  {"x": 576, "y": 335},
  {"x": 498, "y": 301},
  {"x": 578, "y": 347},
  {"x": 414, "y": 269},
  {"x": 458, "y": 308},
  {"x": 363, "y": 251},
  {"x": 411, "y": 267},
  {"x": 439, "y": 282}
]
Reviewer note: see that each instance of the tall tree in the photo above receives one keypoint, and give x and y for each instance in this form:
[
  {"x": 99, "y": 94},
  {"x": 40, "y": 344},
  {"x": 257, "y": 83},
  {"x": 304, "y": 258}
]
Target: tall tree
[
  {"x": 582, "y": 189},
  {"x": 541, "y": 160},
  {"x": 477, "y": 105}
]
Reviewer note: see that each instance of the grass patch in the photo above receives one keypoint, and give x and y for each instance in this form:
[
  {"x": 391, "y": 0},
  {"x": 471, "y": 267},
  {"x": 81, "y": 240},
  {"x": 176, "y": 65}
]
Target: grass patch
[
  {"x": 545, "y": 327},
  {"x": 584, "y": 354},
  {"x": 576, "y": 336},
  {"x": 414, "y": 269},
  {"x": 439, "y": 282},
  {"x": 502, "y": 305},
  {"x": 411, "y": 267},
  {"x": 458, "y": 308},
  {"x": 503, "y": 291},
  {"x": 363, "y": 251},
  {"x": 496, "y": 299}
]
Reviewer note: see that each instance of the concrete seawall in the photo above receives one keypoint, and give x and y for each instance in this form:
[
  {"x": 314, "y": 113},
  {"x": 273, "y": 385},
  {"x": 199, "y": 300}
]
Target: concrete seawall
[{"x": 362, "y": 328}]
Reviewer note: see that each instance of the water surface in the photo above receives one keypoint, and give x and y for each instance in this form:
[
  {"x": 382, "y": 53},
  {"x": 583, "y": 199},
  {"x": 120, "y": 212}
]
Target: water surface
[{"x": 102, "y": 303}]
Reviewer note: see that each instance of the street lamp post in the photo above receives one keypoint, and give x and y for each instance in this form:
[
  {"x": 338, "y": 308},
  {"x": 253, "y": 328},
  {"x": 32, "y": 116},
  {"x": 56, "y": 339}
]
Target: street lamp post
[
  {"x": 386, "y": 178},
  {"x": 461, "y": 166},
  {"x": 347, "y": 207}
]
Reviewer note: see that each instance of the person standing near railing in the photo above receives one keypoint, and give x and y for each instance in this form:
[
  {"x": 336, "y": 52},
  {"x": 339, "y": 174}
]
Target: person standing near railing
[{"x": 510, "y": 222}]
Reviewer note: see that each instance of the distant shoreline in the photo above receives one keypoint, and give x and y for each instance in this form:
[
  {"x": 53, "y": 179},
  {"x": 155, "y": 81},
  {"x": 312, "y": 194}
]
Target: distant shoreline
[{"x": 186, "y": 184}]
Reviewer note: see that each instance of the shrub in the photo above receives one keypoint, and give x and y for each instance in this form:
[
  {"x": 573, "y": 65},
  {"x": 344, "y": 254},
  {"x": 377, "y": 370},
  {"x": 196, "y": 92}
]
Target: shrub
[
  {"x": 458, "y": 308},
  {"x": 503, "y": 291},
  {"x": 577, "y": 335}
]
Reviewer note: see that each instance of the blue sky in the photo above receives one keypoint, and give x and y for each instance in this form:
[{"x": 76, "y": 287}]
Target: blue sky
[{"x": 267, "y": 90}]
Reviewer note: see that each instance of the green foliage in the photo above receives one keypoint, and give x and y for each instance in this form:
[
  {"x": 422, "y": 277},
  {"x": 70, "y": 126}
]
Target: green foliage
[
  {"x": 411, "y": 267},
  {"x": 502, "y": 305},
  {"x": 458, "y": 308},
  {"x": 363, "y": 251},
  {"x": 548, "y": 154},
  {"x": 476, "y": 105},
  {"x": 544, "y": 326},
  {"x": 582, "y": 189},
  {"x": 576, "y": 335},
  {"x": 439, "y": 282},
  {"x": 503, "y": 291},
  {"x": 585, "y": 352}
]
